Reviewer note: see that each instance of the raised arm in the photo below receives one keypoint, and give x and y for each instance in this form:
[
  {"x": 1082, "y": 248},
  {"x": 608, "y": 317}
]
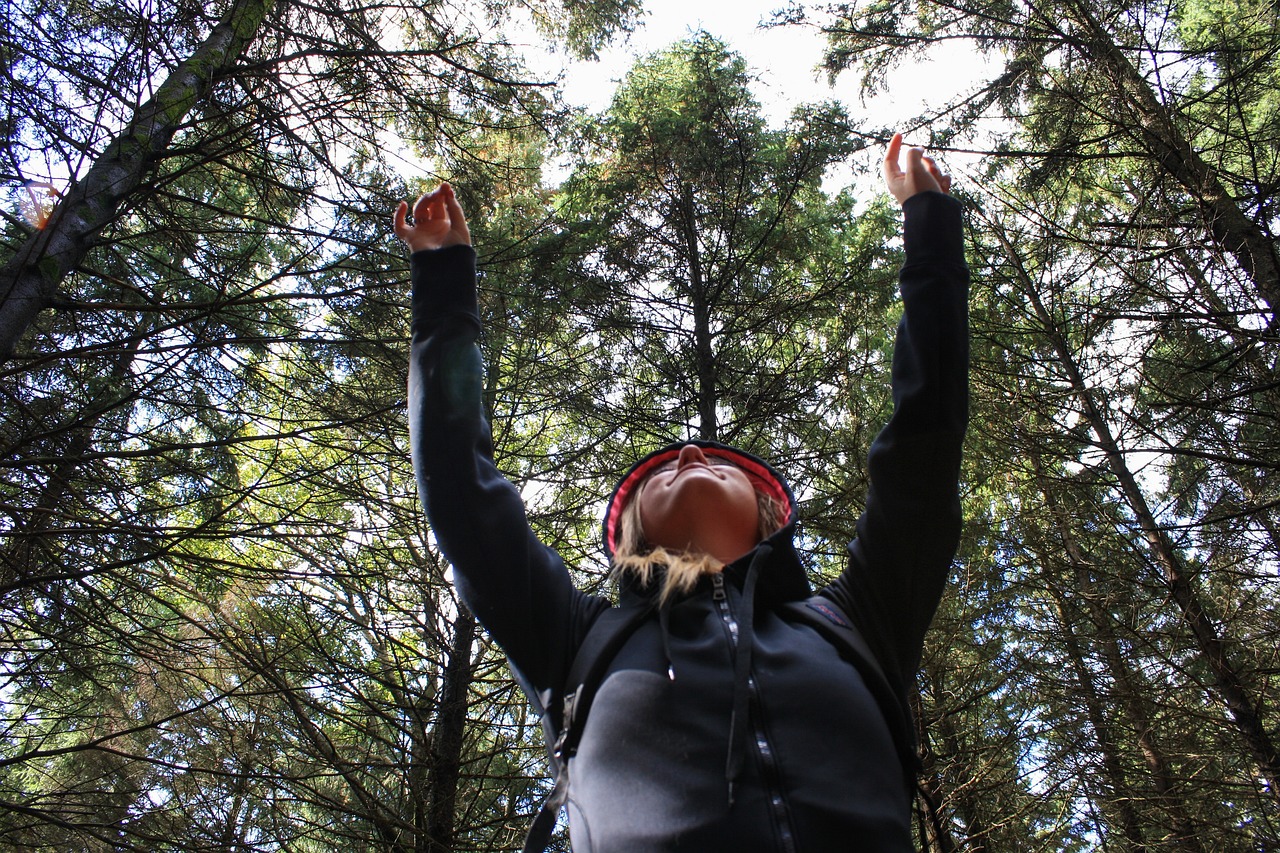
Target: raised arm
[
  {"x": 518, "y": 588},
  {"x": 908, "y": 533}
]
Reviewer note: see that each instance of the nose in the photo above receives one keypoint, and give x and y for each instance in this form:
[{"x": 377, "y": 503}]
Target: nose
[{"x": 691, "y": 454}]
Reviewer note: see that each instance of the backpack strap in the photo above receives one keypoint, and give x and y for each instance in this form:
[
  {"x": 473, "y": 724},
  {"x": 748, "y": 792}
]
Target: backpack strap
[
  {"x": 566, "y": 718},
  {"x": 824, "y": 616}
]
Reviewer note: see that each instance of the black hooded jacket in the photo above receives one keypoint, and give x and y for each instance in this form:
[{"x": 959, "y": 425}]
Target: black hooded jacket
[{"x": 685, "y": 747}]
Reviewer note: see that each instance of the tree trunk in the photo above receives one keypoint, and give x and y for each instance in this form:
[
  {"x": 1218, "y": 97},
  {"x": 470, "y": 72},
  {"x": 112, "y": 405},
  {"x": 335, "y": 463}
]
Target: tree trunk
[
  {"x": 932, "y": 827},
  {"x": 1243, "y": 707},
  {"x": 31, "y": 278},
  {"x": 1130, "y": 693},
  {"x": 28, "y": 557},
  {"x": 708, "y": 426},
  {"x": 1121, "y": 794},
  {"x": 1121, "y": 797},
  {"x": 1151, "y": 122},
  {"x": 445, "y": 759}
]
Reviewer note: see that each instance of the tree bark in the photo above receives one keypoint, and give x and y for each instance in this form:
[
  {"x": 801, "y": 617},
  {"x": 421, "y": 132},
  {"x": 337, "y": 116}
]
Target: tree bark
[
  {"x": 445, "y": 758},
  {"x": 1243, "y": 706},
  {"x": 1153, "y": 125},
  {"x": 31, "y": 278}
]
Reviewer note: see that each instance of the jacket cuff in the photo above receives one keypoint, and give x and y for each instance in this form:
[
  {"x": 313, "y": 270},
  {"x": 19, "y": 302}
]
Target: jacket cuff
[
  {"x": 444, "y": 281},
  {"x": 932, "y": 229}
]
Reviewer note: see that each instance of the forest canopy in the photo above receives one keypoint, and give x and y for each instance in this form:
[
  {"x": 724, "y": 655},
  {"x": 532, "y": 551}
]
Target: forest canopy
[{"x": 224, "y": 622}]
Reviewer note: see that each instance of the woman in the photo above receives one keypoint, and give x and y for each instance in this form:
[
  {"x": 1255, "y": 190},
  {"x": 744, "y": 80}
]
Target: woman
[{"x": 722, "y": 724}]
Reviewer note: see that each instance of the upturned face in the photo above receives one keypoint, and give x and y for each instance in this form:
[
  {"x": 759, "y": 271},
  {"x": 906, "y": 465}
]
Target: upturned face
[{"x": 700, "y": 502}]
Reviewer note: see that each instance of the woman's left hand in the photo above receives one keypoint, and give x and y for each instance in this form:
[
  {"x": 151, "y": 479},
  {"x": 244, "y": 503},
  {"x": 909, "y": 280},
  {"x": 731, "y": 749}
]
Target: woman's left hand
[{"x": 921, "y": 174}]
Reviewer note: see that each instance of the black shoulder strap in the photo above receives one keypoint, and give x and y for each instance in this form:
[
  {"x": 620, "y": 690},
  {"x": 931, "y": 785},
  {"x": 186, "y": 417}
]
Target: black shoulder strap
[
  {"x": 824, "y": 616},
  {"x": 566, "y": 717},
  {"x": 605, "y": 638}
]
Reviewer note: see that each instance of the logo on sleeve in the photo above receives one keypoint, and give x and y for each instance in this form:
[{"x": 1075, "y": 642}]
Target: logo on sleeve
[{"x": 831, "y": 614}]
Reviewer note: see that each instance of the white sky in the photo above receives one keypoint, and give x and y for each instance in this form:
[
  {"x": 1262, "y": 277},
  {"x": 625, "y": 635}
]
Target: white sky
[{"x": 784, "y": 58}]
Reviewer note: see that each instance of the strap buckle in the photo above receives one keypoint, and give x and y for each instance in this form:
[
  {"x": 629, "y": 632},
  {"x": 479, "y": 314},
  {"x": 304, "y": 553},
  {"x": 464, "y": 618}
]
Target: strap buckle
[{"x": 562, "y": 745}]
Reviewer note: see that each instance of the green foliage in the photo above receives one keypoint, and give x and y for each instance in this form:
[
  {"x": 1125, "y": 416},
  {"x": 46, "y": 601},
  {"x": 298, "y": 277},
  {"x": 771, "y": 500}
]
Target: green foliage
[
  {"x": 1124, "y": 354},
  {"x": 224, "y": 624}
]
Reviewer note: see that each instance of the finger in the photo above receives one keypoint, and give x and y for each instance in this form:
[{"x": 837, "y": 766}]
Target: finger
[
  {"x": 427, "y": 205},
  {"x": 398, "y": 223},
  {"x": 420, "y": 208},
  {"x": 891, "y": 167},
  {"x": 915, "y": 158},
  {"x": 943, "y": 179},
  {"x": 454, "y": 210}
]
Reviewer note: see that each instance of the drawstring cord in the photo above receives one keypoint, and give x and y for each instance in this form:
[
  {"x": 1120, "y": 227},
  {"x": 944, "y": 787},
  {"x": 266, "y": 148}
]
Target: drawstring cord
[
  {"x": 743, "y": 644},
  {"x": 742, "y": 672},
  {"x": 664, "y": 625}
]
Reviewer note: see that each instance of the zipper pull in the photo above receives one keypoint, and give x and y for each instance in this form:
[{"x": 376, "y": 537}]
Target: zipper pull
[{"x": 717, "y": 583}]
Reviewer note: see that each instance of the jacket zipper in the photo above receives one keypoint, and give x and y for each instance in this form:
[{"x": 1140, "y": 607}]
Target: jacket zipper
[{"x": 764, "y": 749}]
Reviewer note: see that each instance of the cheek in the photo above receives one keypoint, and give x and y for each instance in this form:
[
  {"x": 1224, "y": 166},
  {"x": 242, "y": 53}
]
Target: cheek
[
  {"x": 746, "y": 508},
  {"x": 653, "y": 506},
  {"x": 738, "y": 488}
]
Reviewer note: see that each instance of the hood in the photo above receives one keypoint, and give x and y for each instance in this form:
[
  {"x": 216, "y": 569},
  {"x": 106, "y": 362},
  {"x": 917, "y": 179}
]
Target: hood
[
  {"x": 786, "y": 578},
  {"x": 761, "y": 474}
]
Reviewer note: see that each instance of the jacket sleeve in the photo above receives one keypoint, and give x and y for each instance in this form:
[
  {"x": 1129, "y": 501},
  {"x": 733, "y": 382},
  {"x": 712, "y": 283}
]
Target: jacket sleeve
[
  {"x": 518, "y": 588},
  {"x": 908, "y": 534}
]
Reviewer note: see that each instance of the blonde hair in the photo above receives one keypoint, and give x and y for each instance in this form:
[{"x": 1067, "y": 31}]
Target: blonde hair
[{"x": 634, "y": 556}]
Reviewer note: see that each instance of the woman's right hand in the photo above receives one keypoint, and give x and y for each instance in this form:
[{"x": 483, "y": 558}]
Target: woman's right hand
[{"x": 438, "y": 221}]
